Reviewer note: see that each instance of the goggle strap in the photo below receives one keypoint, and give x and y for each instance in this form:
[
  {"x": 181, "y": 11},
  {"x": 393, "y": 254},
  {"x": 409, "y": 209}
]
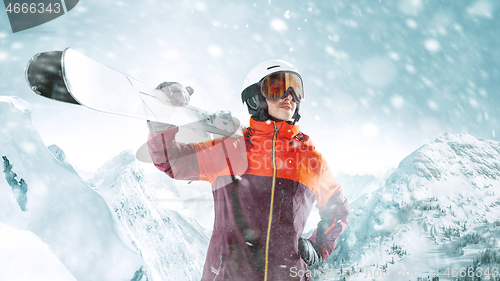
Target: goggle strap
[
  {"x": 253, "y": 102},
  {"x": 250, "y": 92},
  {"x": 292, "y": 92}
]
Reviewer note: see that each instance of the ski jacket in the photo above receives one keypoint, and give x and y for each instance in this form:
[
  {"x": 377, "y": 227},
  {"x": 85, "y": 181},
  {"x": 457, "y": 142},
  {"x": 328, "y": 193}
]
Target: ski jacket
[{"x": 264, "y": 185}]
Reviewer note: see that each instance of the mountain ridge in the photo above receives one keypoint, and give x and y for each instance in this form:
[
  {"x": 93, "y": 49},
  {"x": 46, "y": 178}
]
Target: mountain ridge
[
  {"x": 174, "y": 247},
  {"x": 60, "y": 209},
  {"x": 442, "y": 196}
]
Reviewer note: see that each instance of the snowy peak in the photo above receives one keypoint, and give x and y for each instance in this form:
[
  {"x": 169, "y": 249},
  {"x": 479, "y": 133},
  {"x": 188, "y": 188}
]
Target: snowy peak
[
  {"x": 450, "y": 156},
  {"x": 457, "y": 171},
  {"x": 55, "y": 204},
  {"x": 444, "y": 197},
  {"x": 474, "y": 156},
  {"x": 116, "y": 231},
  {"x": 114, "y": 168},
  {"x": 173, "y": 247},
  {"x": 123, "y": 159},
  {"x": 11, "y": 105}
]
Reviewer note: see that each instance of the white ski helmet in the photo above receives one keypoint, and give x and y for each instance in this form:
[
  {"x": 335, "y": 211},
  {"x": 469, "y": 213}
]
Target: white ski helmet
[{"x": 251, "y": 89}]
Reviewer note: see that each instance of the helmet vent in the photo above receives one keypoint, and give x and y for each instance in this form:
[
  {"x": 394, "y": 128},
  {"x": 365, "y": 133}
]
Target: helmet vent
[{"x": 273, "y": 67}]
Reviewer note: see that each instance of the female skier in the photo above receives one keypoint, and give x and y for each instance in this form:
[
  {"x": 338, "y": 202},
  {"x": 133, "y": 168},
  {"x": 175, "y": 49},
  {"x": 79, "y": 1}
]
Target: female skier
[{"x": 264, "y": 183}]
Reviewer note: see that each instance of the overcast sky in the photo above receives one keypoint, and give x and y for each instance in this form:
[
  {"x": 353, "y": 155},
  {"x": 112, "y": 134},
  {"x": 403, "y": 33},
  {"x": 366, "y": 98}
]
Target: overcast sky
[{"x": 381, "y": 78}]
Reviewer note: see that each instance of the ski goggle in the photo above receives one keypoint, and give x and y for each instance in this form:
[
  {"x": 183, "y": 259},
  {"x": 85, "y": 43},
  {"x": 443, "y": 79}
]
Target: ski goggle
[{"x": 277, "y": 85}]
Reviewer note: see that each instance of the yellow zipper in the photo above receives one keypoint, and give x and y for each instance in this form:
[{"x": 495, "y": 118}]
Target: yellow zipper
[{"x": 272, "y": 200}]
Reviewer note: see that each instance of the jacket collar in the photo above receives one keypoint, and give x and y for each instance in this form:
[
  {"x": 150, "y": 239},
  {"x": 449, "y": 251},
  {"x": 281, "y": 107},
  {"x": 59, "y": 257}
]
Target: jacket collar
[{"x": 285, "y": 130}]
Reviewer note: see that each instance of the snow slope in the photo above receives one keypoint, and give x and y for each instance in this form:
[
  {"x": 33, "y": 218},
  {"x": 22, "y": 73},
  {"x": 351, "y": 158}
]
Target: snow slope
[
  {"x": 354, "y": 186},
  {"x": 439, "y": 208},
  {"x": 63, "y": 211},
  {"x": 174, "y": 248},
  {"x": 23, "y": 256}
]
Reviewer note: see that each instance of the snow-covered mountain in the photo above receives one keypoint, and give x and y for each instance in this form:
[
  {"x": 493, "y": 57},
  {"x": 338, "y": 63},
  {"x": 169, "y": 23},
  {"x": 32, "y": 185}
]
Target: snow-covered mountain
[
  {"x": 23, "y": 256},
  {"x": 439, "y": 209},
  {"x": 174, "y": 248},
  {"x": 40, "y": 196},
  {"x": 108, "y": 226}
]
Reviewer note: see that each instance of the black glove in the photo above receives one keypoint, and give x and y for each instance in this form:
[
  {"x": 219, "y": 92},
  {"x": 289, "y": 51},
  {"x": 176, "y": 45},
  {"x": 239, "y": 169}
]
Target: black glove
[{"x": 309, "y": 252}]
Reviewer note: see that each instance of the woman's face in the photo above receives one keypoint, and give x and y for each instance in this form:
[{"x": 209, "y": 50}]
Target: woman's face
[{"x": 282, "y": 109}]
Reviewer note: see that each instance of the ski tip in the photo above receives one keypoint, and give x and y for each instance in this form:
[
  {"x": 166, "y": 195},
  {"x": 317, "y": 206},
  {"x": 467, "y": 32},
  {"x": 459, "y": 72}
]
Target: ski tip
[{"x": 43, "y": 74}]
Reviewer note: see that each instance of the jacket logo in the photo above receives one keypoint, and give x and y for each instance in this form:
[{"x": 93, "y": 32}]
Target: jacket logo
[{"x": 301, "y": 137}]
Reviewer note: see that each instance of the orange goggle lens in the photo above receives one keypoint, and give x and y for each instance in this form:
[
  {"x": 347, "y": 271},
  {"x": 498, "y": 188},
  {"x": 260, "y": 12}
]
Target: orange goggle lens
[{"x": 276, "y": 85}]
